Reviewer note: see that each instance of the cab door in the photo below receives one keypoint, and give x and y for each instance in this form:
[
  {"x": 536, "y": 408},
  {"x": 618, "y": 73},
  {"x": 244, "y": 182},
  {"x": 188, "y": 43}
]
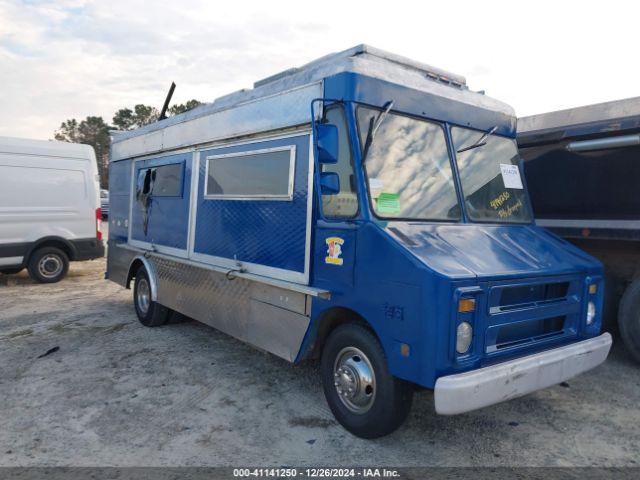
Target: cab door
[{"x": 336, "y": 229}]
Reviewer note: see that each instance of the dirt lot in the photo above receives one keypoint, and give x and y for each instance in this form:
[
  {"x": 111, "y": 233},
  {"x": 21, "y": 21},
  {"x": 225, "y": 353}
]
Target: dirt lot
[{"x": 117, "y": 393}]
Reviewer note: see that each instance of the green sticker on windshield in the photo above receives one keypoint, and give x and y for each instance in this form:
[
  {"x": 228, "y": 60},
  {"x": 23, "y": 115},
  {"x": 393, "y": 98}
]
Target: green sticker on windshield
[{"x": 388, "y": 203}]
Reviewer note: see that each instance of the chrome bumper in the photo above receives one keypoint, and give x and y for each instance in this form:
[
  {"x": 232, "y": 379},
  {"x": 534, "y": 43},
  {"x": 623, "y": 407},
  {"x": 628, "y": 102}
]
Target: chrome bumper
[{"x": 468, "y": 391}]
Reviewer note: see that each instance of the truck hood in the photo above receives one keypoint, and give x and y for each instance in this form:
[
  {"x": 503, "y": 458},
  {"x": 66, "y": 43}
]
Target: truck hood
[{"x": 476, "y": 250}]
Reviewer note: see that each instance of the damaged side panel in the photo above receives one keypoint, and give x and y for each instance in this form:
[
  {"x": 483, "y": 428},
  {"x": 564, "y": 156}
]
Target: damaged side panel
[{"x": 161, "y": 190}]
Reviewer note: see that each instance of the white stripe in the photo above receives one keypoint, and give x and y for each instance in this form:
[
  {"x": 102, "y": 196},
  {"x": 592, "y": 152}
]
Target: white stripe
[{"x": 11, "y": 261}]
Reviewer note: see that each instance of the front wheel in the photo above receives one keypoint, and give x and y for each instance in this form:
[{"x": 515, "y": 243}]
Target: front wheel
[
  {"x": 363, "y": 396},
  {"x": 150, "y": 313}
]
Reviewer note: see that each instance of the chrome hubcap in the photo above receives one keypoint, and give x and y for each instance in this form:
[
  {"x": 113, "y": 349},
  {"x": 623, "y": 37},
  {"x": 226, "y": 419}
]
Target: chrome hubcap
[
  {"x": 50, "y": 266},
  {"x": 143, "y": 295},
  {"x": 354, "y": 380}
]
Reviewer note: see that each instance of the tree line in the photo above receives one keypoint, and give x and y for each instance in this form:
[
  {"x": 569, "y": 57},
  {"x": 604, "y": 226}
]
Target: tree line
[{"x": 94, "y": 131}]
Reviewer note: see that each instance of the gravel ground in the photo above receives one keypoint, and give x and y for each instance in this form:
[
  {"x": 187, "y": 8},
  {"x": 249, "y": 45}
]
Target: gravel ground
[{"x": 117, "y": 393}]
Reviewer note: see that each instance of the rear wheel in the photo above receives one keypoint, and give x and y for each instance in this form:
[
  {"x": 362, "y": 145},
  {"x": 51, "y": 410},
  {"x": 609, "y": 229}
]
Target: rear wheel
[
  {"x": 363, "y": 396},
  {"x": 150, "y": 313},
  {"x": 629, "y": 319},
  {"x": 48, "y": 265}
]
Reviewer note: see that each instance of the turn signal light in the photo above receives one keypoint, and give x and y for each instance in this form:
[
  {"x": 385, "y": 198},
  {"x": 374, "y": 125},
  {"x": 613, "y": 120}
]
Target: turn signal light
[
  {"x": 593, "y": 289},
  {"x": 466, "y": 305}
]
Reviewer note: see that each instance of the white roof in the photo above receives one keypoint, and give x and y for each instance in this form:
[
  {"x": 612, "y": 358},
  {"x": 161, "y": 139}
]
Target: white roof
[
  {"x": 256, "y": 110},
  {"x": 373, "y": 62},
  {"x": 48, "y": 148},
  {"x": 362, "y": 49}
]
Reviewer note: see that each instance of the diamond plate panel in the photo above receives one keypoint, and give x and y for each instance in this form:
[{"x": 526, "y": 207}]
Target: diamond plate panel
[{"x": 268, "y": 317}]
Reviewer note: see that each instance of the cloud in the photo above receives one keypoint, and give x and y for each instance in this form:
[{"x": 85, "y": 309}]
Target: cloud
[
  {"x": 73, "y": 58},
  {"x": 79, "y": 58}
]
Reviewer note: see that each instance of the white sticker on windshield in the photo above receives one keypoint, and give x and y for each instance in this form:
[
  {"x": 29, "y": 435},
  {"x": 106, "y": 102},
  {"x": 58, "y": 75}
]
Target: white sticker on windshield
[
  {"x": 376, "y": 183},
  {"x": 511, "y": 176}
]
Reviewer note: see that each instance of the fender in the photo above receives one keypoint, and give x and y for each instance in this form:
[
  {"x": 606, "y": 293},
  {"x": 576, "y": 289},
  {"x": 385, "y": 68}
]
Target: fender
[
  {"x": 51, "y": 239},
  {"x": 151, "y": 271}
]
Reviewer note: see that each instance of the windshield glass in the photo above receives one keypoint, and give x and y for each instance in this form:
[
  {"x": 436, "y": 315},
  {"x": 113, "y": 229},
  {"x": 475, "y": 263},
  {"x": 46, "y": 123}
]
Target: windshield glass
[
  {"x": 408, "y": 168},
  {"x": 490, "y": 175}
]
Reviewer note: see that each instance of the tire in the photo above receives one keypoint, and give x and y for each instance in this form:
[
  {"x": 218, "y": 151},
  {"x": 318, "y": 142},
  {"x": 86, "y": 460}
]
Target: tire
[
  {"x": 48, "y": 265},
  {"x": 11, "y": 271},
  {"x": 150, "y": 313},
  {"x": 378, "y": 403},
  {"x": 611, "y": 304},
  {"x": 629, "y": 319}
]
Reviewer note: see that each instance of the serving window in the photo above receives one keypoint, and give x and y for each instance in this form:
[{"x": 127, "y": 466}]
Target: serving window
[{"x": 259, "y": 174}]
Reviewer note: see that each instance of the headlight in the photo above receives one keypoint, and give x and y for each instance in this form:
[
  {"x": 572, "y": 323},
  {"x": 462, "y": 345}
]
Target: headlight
[
  {"x": 463, "y": 337},
  {"x": 591, "y": 312}
]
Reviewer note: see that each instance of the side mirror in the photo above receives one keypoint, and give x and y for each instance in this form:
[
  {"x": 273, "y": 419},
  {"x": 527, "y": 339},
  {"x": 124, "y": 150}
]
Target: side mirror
[
  {"x": 327, "y": 143},
  {"x": 329, "y": 183}
]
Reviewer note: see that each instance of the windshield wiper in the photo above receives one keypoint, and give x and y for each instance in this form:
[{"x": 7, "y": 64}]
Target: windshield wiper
[
  {"x": 373, "y": 128},
  {"x": 481, "y": 142}
]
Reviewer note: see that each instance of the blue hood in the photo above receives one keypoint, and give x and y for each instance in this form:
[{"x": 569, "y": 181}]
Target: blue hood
[{"x": 476, "y": 250}]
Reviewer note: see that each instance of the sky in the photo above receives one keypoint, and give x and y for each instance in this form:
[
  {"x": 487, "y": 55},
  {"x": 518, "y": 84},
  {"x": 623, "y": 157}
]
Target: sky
[{"x": 73, "y": 58}]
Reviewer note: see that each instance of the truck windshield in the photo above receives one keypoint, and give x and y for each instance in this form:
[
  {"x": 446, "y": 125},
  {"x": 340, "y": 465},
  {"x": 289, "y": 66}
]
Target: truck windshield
[
  {"x": 408, "y": 168},
  {"x": 492, "y": 186}
]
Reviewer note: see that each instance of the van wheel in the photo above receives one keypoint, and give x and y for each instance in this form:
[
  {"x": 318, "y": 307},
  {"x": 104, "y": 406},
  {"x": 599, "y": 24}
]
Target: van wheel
[
  {"x": 48, "y": 265},
  {"x": 150, "y": 313},
  {"x": 629, "y": 319},
  {"x": 363, "y": 396}
]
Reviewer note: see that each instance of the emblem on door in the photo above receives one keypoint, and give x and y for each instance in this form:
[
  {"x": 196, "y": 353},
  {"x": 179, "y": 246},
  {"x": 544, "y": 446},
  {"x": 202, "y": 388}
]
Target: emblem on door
[{"x": 334, "y": 250}]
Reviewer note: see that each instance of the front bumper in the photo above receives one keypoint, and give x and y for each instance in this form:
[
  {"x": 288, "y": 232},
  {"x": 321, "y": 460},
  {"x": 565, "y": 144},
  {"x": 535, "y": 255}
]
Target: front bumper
[{"x": 468, "y": 391}]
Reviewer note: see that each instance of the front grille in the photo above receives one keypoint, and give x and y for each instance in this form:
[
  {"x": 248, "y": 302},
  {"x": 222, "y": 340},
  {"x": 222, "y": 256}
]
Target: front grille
[
  {"x": 513, "y": 334},
  {"x": 523, "y": 314},
  {"x": 523, "y": 296}
]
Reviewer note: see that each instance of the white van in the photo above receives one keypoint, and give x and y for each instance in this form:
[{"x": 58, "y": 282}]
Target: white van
[{"x": 49, "y": 207}]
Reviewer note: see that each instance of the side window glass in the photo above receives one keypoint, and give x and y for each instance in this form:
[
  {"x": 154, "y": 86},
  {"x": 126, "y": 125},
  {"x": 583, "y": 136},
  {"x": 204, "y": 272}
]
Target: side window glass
[
  {"x": 167, "y": 180},
  {"x": 262, "y": 174},
  {"x": 162, "y": 181},
  {"x": 345, "y": 203}
]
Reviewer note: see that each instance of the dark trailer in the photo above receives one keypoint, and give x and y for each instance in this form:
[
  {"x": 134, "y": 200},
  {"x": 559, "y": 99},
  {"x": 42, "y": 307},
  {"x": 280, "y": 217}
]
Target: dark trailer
[{"x": 582, "y": 168}]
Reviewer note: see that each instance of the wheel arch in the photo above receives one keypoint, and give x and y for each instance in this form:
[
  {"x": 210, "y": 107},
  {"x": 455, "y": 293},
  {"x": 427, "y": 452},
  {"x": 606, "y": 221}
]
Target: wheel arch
[
  {"x": 328, "y": 321},
  {"x": 142, "y": 261},
  {"x": 51, "y": 241}
]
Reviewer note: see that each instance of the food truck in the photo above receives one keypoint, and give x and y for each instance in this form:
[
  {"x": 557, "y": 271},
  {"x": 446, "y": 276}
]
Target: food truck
[
  {"x": 366, "y": 210},
  {"x": 582, "y": 173}
]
